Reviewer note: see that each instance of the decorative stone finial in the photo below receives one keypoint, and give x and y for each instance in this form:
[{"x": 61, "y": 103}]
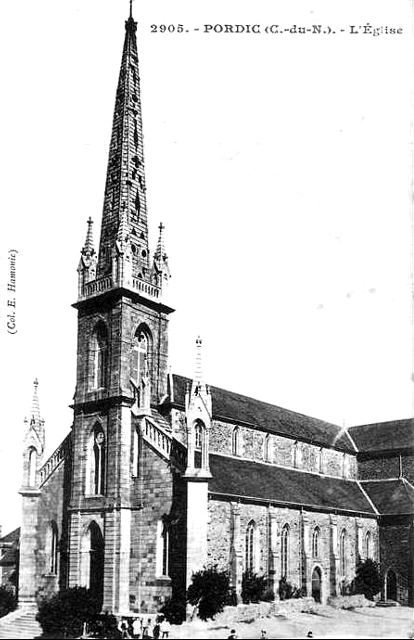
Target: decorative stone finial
[
  {"x": 88, "y": 248},
  {"x": 35, "y": 413},
  {"x": 198, "y": 368}
]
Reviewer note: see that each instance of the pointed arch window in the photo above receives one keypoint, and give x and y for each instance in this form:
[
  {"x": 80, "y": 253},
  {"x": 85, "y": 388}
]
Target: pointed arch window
[
  {"x": 284, "y": 551},
  {"x": 368, "y": 545},
  {"x": 52, "y": 547},
  {"x": 32, "y": 467},
  {"x": 267, "y": 448},
  {"x": 96, "y": 467},
  {"x": 250, "y": 548},
  {"x": 163, "y": 548},
  {"x": 315, "y": 542},
  {"x": 297, "y": 457},
  {"x": 235, "y": 441},
  {"x": 139, "y": 355},
  {"x": 198, "y": 431},
  {"x": 100, "y": 356},
  {"x": 199, "y": 449},
  {"x": 342, "y": 552},
  {"x": 320, "y": 460}
]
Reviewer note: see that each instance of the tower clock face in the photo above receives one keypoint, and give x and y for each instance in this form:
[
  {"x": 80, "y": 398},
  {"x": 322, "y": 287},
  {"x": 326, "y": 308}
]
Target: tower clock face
[{"x": 99, "y": 438}]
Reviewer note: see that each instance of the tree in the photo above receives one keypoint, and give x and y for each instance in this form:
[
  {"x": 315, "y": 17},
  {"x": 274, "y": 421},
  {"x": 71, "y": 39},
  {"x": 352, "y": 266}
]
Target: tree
[
  {"x": 368, "y": 579},
  {"x": 63, "y": 615},
  {"x": 253, "y": 587},
  {"x": 209, "y": 590},
  {"x": 7, "y": 600}
]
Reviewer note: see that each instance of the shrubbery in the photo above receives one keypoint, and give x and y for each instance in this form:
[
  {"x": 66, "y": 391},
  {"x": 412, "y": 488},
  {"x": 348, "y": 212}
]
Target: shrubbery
[
  {"x": 253, "y": 587},
  {"x": 63, "y": 614},
  {"x": 368, "y": 579},
  {"x": 174, "y": 609},
  {"x": 287, "y": 590},
  {"x": 209, "y": 591},
  {"x": 8, "y": 601}
]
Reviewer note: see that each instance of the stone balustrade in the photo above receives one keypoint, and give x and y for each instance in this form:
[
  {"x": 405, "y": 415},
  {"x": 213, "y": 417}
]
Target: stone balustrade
[
  {"x": 96, "y": 287},
  {"x": 53, "y": 461}
]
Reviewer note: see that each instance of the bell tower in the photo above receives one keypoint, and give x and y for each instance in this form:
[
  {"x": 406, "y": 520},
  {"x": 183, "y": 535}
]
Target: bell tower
[{"x": 122, "y": 351}]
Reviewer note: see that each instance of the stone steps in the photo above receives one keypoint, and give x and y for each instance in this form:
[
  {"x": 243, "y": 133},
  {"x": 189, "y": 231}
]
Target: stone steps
[{"x": 20, "y": 624}]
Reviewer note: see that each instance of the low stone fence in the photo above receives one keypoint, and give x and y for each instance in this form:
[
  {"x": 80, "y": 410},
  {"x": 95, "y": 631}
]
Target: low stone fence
[
  {"x": 350, "y": 602},
  {"x": 250, "y": 612}
]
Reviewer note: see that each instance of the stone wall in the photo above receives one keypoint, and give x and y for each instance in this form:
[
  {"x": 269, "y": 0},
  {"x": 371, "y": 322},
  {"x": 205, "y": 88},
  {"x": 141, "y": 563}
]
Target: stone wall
[
  {"x": 396, "y": 545},
  {"x": 379, "y": 468},
  {"x": 227, "y": 541},
  {"x": 254, "y": 444},
  {"x": 52, "y": 507},
  {"x": 159, "y": 494}
]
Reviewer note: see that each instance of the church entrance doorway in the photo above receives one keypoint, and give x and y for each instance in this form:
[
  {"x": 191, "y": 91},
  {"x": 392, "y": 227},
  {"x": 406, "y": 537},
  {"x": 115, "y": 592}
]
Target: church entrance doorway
[
  {"x": 316, "y": 584},
  {"x": 93, "y": 561},
  {"x": 391, "y": 585}
]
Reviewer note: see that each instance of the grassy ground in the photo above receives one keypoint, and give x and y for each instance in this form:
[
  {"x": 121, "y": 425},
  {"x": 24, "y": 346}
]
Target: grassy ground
[{"x": 393, "y": 622}]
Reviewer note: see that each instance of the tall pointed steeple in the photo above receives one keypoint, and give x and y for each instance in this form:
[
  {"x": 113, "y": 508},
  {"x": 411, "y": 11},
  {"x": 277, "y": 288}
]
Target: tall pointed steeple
[{"x": 125, "y": 200}]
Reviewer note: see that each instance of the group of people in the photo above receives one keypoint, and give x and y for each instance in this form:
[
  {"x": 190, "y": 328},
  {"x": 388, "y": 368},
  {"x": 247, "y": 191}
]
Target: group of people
[{"x": 140, "y": 628}]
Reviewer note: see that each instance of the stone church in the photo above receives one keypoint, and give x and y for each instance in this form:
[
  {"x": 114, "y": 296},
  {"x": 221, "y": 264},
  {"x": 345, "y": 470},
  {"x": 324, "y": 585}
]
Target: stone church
[{"x": 161, "y": 474}]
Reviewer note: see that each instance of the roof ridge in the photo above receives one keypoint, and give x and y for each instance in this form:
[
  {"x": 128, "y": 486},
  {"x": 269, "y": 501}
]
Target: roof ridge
[{"x": 270, "y": 404}]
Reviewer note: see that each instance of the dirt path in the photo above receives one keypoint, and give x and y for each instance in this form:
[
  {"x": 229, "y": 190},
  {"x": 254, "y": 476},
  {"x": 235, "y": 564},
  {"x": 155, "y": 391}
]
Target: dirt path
[{"x": 395, "y": 622}]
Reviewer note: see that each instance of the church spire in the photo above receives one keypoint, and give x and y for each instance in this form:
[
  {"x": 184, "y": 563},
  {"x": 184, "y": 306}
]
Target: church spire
[
  {"x": 125, "y": 199},
  {"x": 35, "y": 413},
  {"x": 88, "y": 247}
]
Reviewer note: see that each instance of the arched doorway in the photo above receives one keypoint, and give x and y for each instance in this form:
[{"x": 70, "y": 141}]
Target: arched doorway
[
  {"x": 316, "y": 584},
  {"x": 93, "y": 561},
  {"x": 391, "y": 585}
]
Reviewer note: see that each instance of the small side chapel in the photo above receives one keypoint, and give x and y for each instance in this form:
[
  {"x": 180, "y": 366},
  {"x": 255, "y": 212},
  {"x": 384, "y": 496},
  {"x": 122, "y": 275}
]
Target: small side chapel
[{"x": 161, "y": 474}]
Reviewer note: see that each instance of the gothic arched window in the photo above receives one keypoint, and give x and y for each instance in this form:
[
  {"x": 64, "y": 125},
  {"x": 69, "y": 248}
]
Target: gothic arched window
[
  {"x": 284, "y": 551},
  {"x": 315, "y": 542},
  {"x": 250, "y": 551},
  {"x": 267, "y": 448},
  {"x": 32, "y": 467},
  {"x": 199, "y": 435},
  {"x": 368, "y": 545},
  {"x": 163, "y": 548},
  {"x": 296, "y": 455},
  {"x": 96, "y": 468},
  {"x": 235, "y": 441},
  {"x": 100, "y": 356},
  {"x": 320, "y": 460},
  {"x": 140, "y": 354},
  {"x": 342, "y": 552},
  {"x": 52, "y": 547}
]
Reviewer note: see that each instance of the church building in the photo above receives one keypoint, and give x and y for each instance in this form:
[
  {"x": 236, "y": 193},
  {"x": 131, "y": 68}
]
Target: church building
[{"x": 162, "y": 474}]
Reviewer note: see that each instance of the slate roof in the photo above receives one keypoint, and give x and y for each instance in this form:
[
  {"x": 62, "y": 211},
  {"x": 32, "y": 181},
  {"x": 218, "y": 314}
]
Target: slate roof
[
  {"x": 244, "y": 478},
  {"x": 391, "y": 497},
  {"x": 236, "y": 408},
  {"x": 383, "y": 436},
  {"x": 8, "y": 556}
]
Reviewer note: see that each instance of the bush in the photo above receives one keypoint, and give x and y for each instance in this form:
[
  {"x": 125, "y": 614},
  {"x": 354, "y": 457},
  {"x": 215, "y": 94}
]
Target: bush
[
  {"x": 209, "y": 591},
  {"x": 63, "y": 614},
  {"x": 368, "y": 579},
  {"x": 286, "y": 590},
  {"x": 174, "y": 609},
  {"x": 8, "y": 601},
  {"x": 253, "y": 587}
]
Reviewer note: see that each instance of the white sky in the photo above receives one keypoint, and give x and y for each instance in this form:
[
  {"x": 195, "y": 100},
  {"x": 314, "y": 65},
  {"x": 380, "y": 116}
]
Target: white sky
[{"x": 281, "y": 166}]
